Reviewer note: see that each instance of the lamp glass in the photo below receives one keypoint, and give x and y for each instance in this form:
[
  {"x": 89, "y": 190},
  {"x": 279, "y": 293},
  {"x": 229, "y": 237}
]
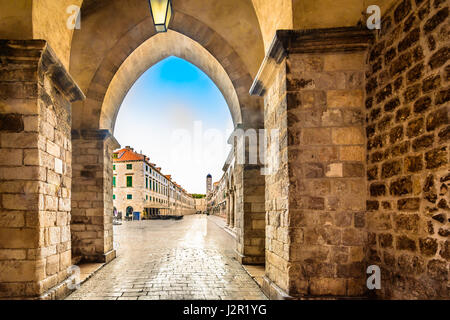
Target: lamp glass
[{"x": 161, "y": 12}]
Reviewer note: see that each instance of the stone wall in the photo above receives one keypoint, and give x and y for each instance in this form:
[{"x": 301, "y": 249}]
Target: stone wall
[
  {"x": 313, "y": 84},
  {"x": 408, "y": 150},
  {"x": 35, "y": 170},
  {"x": 92, "y": 190}
]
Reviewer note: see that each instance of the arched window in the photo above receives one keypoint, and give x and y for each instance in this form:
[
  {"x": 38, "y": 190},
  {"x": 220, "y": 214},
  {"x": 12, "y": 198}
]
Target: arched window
[{"x": 129, "y": 211}]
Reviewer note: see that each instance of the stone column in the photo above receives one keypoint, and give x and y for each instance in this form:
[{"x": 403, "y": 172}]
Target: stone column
[
  {"x": 92, "y": 202},
  {"x": 35, "y": 170},
  {"x": 231, "y": 212},
  {"x": 248, "y": 196},
  {"x": 313, "y": 85},
  {"x": 229, "y": 203}
]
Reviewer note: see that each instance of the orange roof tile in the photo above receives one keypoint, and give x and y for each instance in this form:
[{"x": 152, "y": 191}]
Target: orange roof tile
[{"x": 128, "y": 155}]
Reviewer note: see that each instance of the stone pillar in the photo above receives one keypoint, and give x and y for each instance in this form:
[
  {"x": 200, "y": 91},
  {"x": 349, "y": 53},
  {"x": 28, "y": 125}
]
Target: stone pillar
[
  {"x": 248, "y": 198},
  {"x": 92, "y": 202},
  {"x": 232, "y": 209},
  {"x": 313, "y": 85},
  {"x": 229, "y": 208},
  {"x": 35, "y": 170}
]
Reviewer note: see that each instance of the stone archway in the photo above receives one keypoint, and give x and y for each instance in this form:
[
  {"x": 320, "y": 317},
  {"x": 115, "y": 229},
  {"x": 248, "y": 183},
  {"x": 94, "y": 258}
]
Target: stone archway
[
  {"x": 135, "y": 50},
  {"x": 154, "y": 50}
]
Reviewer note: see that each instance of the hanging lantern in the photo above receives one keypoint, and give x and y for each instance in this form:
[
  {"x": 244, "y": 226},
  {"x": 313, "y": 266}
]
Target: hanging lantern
[{"x": 161, "y": 11}]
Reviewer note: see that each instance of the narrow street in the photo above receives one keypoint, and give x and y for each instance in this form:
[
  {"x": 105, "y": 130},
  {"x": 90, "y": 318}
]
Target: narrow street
[{"x": 163, "y": 259}]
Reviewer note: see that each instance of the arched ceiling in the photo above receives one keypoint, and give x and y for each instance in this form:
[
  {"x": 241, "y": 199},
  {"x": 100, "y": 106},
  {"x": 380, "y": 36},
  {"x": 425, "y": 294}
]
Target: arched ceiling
[
  {"x": 151, "y": 52},
  {"x": 99, "y": 49},
  {"x": 16, "y": 19},
  {"x": 233, "y": 19}
]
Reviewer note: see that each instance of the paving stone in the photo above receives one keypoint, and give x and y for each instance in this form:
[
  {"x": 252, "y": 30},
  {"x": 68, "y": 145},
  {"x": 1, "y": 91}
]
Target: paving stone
[{"x": 171, "y": 260}]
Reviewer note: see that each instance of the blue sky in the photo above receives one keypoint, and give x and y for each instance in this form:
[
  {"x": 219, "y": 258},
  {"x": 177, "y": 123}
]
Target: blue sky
[{"x": 177, "y": 116}]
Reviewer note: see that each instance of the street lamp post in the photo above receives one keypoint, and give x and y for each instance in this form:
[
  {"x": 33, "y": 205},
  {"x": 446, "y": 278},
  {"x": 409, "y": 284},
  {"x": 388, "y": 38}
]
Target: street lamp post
[{"x": 161, "y": 11}]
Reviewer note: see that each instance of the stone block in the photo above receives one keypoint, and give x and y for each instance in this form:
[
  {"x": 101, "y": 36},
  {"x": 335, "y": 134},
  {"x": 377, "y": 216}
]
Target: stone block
[
  {"x": 345, "y": 98},
  {"x": 316, "y": 136},
  {"x": 349, "y": 135},
  {"x": 328, "y": 287},
  {"x": 18, "y": 238},
  {"x": 19, "y": 140},
  {"x": 17, "y": 271},
  {"x": 13, "y": 254},
  {"x": 352, "y": 153},
  {"x": 344, "y": 62}
]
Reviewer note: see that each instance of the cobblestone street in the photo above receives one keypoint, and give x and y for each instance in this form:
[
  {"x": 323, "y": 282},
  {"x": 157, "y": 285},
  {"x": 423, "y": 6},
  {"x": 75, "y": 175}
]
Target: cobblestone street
[{"x": 164, "y": 259}]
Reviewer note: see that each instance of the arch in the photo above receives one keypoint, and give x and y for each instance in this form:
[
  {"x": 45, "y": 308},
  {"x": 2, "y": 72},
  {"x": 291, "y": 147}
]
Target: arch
[
  {"x": 129, "y": 211},
  {"x": 108, "y": 54},
  {"x": 154, "y": 50}
]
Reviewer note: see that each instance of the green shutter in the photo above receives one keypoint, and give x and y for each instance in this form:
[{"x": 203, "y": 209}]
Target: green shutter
[
  {"x": 114, "y": 181},
  {"x": 129, "y": 166},
  {"x": 129, "y": 196},
  {"x": 129, "y": 181}
]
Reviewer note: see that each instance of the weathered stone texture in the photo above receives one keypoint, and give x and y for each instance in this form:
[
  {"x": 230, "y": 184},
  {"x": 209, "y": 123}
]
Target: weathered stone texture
[
  {"x": 92, "y": 195},
  {"x": 35, "y": 171},
  {"x": 315, "y": 201},
  {"x": 248, "y": 213},
  {"x": 408, "y": 157}
]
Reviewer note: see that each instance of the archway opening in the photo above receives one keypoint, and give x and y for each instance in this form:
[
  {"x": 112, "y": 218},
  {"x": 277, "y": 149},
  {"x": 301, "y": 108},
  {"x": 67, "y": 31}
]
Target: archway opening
[
  {"x": 95, "y": 132},
  {"x": 173, "y": 112}
]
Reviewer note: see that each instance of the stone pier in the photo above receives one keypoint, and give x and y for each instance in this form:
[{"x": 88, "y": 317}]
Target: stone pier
[
  {"x": 35, "y": 170},
  {"x": 313, "y": 85},
  {"x": 92, "y": 200}
]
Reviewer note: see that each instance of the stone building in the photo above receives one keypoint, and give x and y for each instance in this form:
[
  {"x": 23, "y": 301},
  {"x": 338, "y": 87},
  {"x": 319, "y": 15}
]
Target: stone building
[
  {"x": 217, "y": 198},
  {"x": 139, "y": 186},
  {"x": 362, "y": 174},
  {"x": 200, "y": 204}
]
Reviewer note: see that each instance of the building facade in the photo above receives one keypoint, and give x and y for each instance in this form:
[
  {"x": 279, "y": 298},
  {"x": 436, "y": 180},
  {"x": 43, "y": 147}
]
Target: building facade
[
  {"x": 140, "y": 187},
  {"x": 200, "y": 204},
  {"x": 217, "y": 198}
]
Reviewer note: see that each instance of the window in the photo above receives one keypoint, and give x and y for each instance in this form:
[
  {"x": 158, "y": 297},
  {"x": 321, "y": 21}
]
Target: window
[
  {"x": 129, "y": 166},
  {"x": 114, "y": 167},
  {"x": 146, "y": 197},
  {"x": 129, "y": 181},
  {"x": 146, "y": 183},
  {"x": 114, "y": 197},
  {"x": 114, "y": 182},
  {"x": 129, "y": 196}
]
